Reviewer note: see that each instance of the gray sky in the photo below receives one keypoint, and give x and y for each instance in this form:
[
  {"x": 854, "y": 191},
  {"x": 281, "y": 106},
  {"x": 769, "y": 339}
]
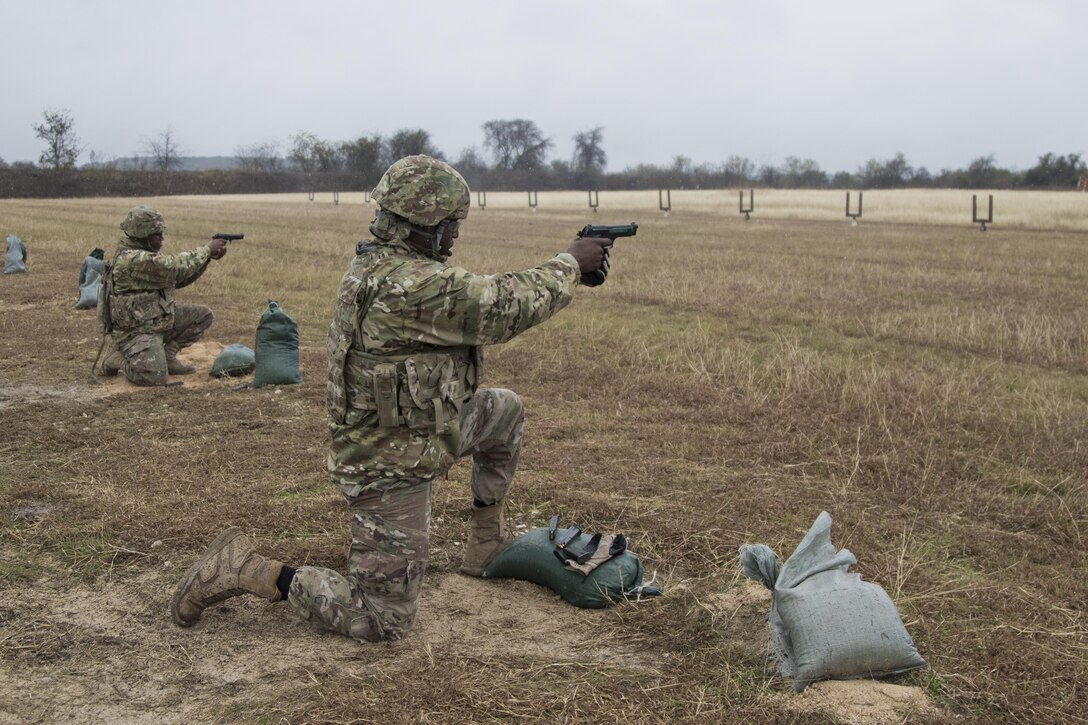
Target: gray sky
[{"x": 839, "y": 81}]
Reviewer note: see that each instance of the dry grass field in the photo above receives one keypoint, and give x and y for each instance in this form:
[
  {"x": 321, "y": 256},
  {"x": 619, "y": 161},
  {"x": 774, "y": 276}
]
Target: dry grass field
[{"x": 925, "y": 383}]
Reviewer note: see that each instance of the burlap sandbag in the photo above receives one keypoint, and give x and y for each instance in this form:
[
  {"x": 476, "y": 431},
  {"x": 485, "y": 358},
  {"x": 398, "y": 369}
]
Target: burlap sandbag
[
  {"x": 826, "y": 623},
  {"x": 276, "y": 351}
]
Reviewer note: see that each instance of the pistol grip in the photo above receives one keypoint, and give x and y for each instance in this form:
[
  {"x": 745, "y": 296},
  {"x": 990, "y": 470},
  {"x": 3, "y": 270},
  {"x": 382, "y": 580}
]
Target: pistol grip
[{"x": 599, "y": 275}]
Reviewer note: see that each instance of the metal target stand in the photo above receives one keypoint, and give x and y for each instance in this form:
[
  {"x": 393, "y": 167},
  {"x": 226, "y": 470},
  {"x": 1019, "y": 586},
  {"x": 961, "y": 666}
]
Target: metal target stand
[
  {"x": 481, "y": 200},
  {"x": 856, "y": 215},
  {"x": 664, "y": 203},
  {"x": 533, "y": 198},
  {"x": 594, "y": 199},
  {"x": 751, "y": 203},
  {"x": 336, "y": 198},
  {"x": 974, "y": 213}
]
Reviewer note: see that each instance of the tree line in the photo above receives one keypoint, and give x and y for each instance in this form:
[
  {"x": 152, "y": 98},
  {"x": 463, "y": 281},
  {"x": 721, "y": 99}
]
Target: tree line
[{"x": 515, "y": 156}]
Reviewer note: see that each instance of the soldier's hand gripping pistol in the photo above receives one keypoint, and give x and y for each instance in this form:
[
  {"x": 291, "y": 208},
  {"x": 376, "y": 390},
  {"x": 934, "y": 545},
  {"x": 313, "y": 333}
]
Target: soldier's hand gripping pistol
[
  {"x": 611, "y": 233},
  {"x": 220, "y": 241}
]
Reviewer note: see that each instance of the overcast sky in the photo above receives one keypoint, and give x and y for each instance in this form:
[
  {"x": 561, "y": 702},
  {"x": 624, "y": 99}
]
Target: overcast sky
[{"x": 943, "y": 81}]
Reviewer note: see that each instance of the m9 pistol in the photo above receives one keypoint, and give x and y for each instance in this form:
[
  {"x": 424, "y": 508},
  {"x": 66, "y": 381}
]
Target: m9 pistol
[
  {"x": 228, "y": 238},
  {"x": 611, "y": 233}
]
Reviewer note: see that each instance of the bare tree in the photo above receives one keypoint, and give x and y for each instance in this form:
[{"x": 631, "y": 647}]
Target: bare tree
[
  {"x": 310, "y": 153},
  {"x": 738, "y": 169},
  {"x": 363, "y": 158},
  {"x": 516, "y": 144},
  {"x": 802, "y": 173},
  {"x": 409, "y": 142},
  {"x": 259, "y": 157},
  {"x": 164, "y": 151},
  {"x": 470, "y": 161},
  {"x": 589, "y": 156},
  {"x": 62, "y": 147}
]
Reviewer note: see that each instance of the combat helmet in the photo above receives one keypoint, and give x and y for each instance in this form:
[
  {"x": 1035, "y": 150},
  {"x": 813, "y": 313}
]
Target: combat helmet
[
  {"x": 423, "y": 190},
  {"x": 143, "y": 221}
]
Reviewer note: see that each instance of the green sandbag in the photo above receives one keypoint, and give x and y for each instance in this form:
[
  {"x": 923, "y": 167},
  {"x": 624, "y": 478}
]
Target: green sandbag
[
  {"x": 277, "y": 349},
  {"x": 235, "y": 360},
  {"x": 529, "y": 557}
]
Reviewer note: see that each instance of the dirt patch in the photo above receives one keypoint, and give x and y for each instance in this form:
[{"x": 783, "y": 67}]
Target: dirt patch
[
  {"x": 863, "y": 702},
  {"x": 12, "y": 395},
  {"x": 31, "y": 511},
  {"x": 201, "y": 355},
  {"x": 109, "y": 652},
  {"x": 745, "y": 596}
]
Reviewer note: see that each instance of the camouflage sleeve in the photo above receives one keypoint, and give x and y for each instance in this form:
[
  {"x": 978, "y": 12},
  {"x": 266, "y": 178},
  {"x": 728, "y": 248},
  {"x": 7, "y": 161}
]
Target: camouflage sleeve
[
  {"x": 442, "y": 305},
  {"x": 157, "y": 271}
]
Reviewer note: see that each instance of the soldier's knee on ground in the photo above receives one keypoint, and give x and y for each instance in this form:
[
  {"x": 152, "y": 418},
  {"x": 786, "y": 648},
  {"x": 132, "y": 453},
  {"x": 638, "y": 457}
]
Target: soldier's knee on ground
[
  {"x": 334, "y": 603},
  {"x": 145, "y": 360},
  {"x": 144, "y": 377}
]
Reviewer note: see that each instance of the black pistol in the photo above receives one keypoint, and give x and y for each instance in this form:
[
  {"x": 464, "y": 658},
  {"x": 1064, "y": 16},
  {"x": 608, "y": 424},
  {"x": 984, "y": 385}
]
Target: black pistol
[
  {"x": 228, "y": 238},
  {"x": 612, "y": 233}
]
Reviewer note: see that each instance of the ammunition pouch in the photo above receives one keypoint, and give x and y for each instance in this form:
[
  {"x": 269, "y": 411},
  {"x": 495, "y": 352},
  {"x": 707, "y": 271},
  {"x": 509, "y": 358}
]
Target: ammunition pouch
[{"x": 424, "y": 392}]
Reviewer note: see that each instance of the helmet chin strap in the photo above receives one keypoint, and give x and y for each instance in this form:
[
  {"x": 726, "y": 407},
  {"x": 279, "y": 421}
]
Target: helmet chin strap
[{"x": 436, "y": 238}]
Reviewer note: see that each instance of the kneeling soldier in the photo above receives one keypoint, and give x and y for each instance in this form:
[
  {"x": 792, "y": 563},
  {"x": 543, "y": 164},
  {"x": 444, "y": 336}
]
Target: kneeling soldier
[
  {"x": 137, "y": 304},
  {"x": 405, "y": 363}
]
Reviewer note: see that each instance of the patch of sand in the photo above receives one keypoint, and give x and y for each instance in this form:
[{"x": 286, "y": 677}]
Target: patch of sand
[
  {"x": 201, "y": 355},
  {"x": 110, "y": 652},
  {"x": 863, "y": 702}
]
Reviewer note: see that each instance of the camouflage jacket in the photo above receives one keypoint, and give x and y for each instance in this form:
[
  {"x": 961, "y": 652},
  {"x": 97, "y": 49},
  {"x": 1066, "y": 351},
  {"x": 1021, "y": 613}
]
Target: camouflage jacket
[
  {"x": 142, "y": 284},
  {"x": 404, "y": 354}
]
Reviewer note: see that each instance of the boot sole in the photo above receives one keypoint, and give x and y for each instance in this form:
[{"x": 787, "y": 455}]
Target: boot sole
[
  {"x": 213, "y": 549},
  {"x": 472, "y": 571}
]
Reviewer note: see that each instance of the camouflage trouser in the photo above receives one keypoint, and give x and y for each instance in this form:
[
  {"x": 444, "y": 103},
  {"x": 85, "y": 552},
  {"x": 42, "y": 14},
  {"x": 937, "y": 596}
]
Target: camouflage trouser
[
  {"x": 144, "y": 353},
  {"x": 390, "y": 541}
]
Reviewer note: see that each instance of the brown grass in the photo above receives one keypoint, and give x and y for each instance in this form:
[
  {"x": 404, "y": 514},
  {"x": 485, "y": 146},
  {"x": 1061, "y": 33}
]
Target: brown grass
[{"x": 926, "y": 384}]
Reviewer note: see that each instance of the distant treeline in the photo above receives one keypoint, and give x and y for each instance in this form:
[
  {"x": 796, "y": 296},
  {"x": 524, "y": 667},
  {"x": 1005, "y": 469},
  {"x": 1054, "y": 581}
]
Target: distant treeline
[
  {"x": 45, "y": 183},
  {"x": 515, "y": 157},
  {"x": 1052, "y": 172}
]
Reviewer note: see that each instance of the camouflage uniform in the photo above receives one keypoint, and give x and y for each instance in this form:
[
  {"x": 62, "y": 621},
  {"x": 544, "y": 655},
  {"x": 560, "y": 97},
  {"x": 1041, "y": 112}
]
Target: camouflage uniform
[
  {"x": 148, "y": 326},
  {"x": 404, "y": 365}
]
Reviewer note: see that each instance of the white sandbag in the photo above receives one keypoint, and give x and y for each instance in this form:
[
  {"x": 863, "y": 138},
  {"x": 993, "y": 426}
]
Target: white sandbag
[
  {"x": 826, "y": 623},
  {"x": 90, "y": 281},
  {"x": 15, "y": 257}
]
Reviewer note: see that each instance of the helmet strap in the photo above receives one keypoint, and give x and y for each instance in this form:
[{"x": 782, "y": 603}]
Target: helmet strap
[{"x": 436, "y": 238}]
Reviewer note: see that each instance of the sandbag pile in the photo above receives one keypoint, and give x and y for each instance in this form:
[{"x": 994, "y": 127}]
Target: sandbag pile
[{"x": 826, "y": 623}]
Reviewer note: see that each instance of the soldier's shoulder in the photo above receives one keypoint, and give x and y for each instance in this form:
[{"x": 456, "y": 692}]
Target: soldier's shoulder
[{"x": 128, "y": 256}]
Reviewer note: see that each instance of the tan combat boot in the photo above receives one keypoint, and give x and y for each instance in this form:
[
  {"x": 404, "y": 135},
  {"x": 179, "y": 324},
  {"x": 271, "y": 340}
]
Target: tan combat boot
[
  {"x": 111, "y": 364},
  {"x": 486, "y": 539},
  {"x": 173, "y": 365},
  {"x": 228, "y": 568}
]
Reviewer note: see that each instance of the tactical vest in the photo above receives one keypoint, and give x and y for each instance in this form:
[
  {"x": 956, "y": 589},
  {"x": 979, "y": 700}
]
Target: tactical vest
[
  {"x": 423, "y": 391},
  {"x": 138, "y": 310}
]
